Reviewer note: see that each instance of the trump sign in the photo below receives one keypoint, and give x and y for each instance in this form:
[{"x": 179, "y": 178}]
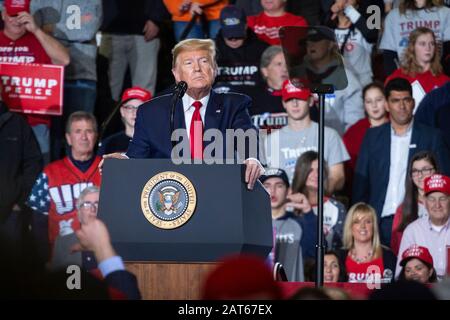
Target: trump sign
[{"x": 32, "y": 88}]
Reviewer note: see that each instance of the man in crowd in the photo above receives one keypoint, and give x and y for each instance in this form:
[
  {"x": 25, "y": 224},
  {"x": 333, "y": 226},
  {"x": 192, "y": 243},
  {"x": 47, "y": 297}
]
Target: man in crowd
[
  {"x": 59, "y": 19},
  {"x": 239, "y": 53},
  {"x": 132, "y": 98},
  {"x": 22, "y": 41},
  {"x": 382, "y": 165},
  {"x": 130, "y": 38},
  {"x": 200, "y": 109},
  {"x": 267, "y": 111},
  {"x": 20, "y": 164},
  {"x": 287, "y": 228},
  {"x": 56, "y": 189},
  {"x": 286, "y": 145},
  {"x": 432, "y": 232},
  {"x": 63, "y": 255}
]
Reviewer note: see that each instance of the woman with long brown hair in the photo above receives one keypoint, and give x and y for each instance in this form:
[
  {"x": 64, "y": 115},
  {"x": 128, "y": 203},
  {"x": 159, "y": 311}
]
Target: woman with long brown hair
[
  {"x": 422, "y": 165},
  {"x": 305, "y": 196}
]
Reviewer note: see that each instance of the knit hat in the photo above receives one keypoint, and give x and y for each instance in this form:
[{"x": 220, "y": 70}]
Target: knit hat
[{"x": 241, "y": 277}]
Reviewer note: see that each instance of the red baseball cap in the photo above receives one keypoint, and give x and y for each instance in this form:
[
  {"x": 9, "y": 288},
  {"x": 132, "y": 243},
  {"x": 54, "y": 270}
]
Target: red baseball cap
[
  {"x": 136, "y": 93},
  {"x": 437, "y": 183},
  {"x": 13, "y": 7},
  {"x": 290, "y": 91},
  {"x": 418, "y": 252}
]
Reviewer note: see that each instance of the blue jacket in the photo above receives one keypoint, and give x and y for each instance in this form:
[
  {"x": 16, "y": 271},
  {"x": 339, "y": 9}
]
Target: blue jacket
[
  {"x": 152, "y": 129},
  {"x": 434, "y": 110},
  {"x": 372, "y": 168}
]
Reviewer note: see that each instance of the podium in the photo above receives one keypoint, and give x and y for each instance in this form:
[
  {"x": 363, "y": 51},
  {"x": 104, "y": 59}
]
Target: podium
[{"x": 142, "y": 200}]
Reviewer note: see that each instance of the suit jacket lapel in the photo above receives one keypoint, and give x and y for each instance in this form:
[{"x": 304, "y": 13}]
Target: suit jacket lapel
[
  {"x": 416, "y": 136},
  {"x": 180, "y": 122},
  {"x": 213, "y": 112},
  {"x": 386, "y": 148}
]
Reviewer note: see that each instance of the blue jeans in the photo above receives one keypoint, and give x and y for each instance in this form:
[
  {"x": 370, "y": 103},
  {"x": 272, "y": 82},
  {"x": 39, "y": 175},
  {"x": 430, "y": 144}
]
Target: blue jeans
[{"x": 196, "y": 31}]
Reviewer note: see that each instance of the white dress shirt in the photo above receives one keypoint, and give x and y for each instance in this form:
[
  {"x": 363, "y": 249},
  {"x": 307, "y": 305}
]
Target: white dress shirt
[
  {"x": 395, "y": 192},
  {"x": 189, "y": 110}
]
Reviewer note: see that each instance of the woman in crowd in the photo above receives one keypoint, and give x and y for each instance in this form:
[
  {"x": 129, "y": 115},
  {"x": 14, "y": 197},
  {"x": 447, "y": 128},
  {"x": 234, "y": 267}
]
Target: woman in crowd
[
  {"x": 410, "y": 15},
  {"x": 333, "y": 268},
  {"x": 422, "y": 165},
  {"x": 417, "y": 265},
  {"x": 421, "y": 62},
  {"x": 365, "y": 258},
  {"x": 376, "y": 115},
  {"x": 305, "y": 193}
]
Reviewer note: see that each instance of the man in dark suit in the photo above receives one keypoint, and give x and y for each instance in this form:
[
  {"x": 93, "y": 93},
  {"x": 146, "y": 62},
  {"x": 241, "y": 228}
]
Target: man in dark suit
[
  {"x": 200, "y": 109},
  {"x": 385, "y": 152}
]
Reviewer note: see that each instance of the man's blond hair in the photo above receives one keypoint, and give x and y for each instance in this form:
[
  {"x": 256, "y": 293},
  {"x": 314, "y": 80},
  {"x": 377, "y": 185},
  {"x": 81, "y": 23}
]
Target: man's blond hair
[{"x": 194, "y": 45}]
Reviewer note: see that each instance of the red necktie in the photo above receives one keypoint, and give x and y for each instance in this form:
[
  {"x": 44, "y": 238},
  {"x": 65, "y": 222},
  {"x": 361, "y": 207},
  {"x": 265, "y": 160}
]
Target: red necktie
[{"x": 196, "y": 132}]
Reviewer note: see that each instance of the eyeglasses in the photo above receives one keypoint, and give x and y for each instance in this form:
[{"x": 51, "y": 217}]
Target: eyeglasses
[
  {"x": 423, "y": 172},
  {"x": 440, "y": 199},
  {"x": 129, "y": 108},
  {"x": 89, "y": 205},
  {"x": 407, "y": 100}
]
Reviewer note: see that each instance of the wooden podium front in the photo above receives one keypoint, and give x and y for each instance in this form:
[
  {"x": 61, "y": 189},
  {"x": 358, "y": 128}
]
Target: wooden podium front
[{"x": 170, "y": 281}]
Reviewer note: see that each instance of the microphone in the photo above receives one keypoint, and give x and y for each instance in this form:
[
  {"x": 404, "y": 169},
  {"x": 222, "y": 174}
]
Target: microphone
[{"x": 178, "y": 93}]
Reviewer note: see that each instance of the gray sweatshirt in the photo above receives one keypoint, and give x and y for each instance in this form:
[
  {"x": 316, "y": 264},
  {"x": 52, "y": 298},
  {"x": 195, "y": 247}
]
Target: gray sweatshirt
[{"x": 74, "y": 23}]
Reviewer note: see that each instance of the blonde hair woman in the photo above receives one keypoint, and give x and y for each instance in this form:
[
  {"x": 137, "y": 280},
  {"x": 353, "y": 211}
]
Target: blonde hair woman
[
  {"x": 421, "y": 61},
  {"x": 363, "y": 253}
]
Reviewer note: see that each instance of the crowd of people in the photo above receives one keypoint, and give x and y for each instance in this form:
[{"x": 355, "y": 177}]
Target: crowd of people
[{"x": 387, "y": 143}]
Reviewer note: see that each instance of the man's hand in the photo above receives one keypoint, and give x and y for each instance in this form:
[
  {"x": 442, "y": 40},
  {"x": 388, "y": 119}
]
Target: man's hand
[
  {"x": 337, "y": 7},
  {"x": 94, "y": 236},
  {"x": 253, "y": 171},
  {"x": 150, "y": 30},
  {"x": 196, "y": 8},
  {"x": 28, "y": 21},
  {"x": 298, "y": 201},
  {"x": 115, "y": 155},
  {"x": 185, "y": 6}
]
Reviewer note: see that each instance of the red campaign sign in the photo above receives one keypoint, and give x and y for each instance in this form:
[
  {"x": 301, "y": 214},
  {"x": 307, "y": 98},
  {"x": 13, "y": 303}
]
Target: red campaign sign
[{"x": 32, "y": 88}]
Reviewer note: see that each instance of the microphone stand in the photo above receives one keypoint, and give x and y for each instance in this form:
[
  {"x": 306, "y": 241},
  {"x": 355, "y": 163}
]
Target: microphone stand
[
  {"x": 178, "y": 93},
  {"x": 107, "y": 121},
  {"x": 321, "y": 90}
]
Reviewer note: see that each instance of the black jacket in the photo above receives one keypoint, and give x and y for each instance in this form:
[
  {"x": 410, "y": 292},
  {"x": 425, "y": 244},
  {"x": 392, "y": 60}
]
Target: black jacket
[
  {"x": 238, "y": 69},
  {"x": 126, "y": 17},
  {"x": 20, "y": 160}
]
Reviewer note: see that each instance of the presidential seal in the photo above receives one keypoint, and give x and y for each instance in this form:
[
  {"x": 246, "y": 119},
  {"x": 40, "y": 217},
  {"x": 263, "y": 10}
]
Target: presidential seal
[{"x": 168, "y": 200}]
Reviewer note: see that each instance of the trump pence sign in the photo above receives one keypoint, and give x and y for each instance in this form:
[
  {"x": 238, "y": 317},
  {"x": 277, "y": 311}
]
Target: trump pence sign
[{"x": 32, "y": 88}]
